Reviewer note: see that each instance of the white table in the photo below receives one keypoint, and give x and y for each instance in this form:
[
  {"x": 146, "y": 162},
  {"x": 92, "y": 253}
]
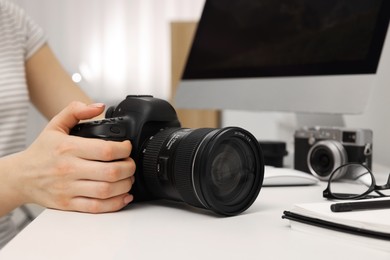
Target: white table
[{"x": 167, "y": 230}]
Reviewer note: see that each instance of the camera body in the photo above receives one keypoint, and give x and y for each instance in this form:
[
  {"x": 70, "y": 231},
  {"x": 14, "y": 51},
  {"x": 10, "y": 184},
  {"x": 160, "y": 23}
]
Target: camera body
[
  {"x": 137, "y": 118},
  {"x": 320, "y": 150},
  {"x": 217, "y": 169}
]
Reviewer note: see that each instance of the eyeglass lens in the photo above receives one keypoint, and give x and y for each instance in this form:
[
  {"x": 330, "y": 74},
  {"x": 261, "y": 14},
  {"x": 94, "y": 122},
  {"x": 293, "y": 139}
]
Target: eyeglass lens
[{"x": 350, "y": 181}]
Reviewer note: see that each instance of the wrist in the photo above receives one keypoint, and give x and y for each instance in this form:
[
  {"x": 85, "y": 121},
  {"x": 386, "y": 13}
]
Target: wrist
[{"x": 11, "y": 168}]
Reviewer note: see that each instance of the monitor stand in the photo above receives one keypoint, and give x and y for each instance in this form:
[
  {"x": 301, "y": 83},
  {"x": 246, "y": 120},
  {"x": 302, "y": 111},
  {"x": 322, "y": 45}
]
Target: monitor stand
[{"x": 330, "y": 120}]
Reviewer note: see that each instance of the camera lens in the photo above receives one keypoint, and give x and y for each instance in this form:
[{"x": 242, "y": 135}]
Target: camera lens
[
  {"x": 217, "y": 169},
  {"x": 324, "y": 157}
]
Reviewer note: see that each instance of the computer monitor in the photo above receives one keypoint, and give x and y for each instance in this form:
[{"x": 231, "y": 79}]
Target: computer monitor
[{"x": 302, "y": 56}]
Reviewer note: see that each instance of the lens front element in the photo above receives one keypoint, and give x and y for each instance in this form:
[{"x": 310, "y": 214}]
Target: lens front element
[
  {"x": 228, "y": 170},
  {"x": 232, "y": 171}
]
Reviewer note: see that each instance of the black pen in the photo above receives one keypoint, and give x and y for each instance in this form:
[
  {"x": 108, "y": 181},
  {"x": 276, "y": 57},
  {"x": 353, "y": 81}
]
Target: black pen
[{"x": 360, "y": 205}]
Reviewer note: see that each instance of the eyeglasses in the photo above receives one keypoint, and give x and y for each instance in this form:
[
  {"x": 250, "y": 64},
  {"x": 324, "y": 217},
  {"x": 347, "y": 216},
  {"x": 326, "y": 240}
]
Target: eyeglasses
[{"x": 354, "y": 181}]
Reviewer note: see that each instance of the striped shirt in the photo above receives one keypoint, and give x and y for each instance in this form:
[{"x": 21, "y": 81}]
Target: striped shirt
[{"x": 20, "y": 38}]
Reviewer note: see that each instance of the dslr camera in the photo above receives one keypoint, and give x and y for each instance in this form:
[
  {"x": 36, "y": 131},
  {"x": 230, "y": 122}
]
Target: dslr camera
[
  {"x": 217, "y": 169},
  {"x": 320, "y": 150}
]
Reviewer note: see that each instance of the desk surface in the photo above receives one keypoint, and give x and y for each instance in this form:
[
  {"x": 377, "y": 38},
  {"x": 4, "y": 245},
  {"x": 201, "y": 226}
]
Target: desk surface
[{"x": 167, "y": 230}]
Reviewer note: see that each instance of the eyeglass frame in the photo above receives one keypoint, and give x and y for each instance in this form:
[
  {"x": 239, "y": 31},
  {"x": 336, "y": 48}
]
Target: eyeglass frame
[{"x": 373, "y": 187}]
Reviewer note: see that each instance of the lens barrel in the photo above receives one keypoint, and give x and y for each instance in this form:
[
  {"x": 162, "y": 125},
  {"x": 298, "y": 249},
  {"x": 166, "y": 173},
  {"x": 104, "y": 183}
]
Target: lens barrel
[{"x": 217, "y": 169}]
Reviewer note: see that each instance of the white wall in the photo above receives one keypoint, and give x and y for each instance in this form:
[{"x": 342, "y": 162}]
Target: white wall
[{"x": 120, "y": 46}]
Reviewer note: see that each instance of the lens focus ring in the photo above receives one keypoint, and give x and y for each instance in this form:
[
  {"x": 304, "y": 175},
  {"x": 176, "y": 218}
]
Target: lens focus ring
[
  {"x": 150, "y": 163},
  {"x": 184, "y": 164}
]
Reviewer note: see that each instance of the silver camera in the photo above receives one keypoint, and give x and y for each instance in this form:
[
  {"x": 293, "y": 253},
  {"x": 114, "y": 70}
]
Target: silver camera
[{"x": 320, "y": 150}]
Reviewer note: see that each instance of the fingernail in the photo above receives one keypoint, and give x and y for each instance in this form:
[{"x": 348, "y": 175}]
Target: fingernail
[
  {"x": 128, "y": 199},
  {"x": 97, "y": 105}
]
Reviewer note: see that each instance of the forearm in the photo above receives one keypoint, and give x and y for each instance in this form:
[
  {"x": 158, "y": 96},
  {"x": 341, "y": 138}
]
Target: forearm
[
  {"x": 50, "y": 87},
  {"x": 11, "y": 167}
]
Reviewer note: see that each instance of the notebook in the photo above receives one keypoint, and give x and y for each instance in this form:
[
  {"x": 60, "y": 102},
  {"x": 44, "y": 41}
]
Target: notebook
[{"x": 373, "y": 224}]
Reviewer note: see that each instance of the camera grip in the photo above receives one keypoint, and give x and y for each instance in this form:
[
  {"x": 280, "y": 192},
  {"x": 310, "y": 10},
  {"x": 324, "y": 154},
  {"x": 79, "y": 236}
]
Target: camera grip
[{"x": 112, "y": 129}]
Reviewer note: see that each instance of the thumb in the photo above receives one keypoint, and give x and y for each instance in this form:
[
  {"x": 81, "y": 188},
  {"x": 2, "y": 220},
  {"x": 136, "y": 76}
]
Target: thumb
[{"x": 73, "y": 113}]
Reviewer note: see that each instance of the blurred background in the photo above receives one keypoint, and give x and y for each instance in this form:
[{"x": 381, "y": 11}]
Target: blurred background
[
  {"x": 119, "y": 47},
  {"x": 113, "y": 47}
]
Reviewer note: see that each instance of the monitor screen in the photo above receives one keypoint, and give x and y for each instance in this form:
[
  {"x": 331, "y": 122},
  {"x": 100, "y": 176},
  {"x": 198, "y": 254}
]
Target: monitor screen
[{"x": 310, "y": 56}]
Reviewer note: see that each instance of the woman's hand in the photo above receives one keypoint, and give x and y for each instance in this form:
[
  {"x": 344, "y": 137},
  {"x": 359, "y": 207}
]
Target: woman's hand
[{"x": 73, "y": 173}]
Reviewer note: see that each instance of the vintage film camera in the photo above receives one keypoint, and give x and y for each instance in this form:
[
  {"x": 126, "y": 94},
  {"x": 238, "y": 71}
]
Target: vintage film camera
[
  {"x": 217, "y": 169},
  {"x": 320, "y": 150}
]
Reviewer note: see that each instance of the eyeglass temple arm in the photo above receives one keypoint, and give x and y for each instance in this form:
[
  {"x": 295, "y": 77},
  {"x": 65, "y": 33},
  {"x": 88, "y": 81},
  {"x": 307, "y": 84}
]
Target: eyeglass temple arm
[{"x": 384, "y": 187}]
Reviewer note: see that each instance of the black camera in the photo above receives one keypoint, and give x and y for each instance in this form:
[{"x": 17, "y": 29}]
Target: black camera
[
  {"x": 217, "y": 169},
  {"x": 320, "y": 150}
]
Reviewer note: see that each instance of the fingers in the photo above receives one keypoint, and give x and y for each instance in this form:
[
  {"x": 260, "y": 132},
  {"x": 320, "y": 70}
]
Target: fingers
[
  {"x": 102, "y": 190},
  {"x": 93, "y": 196},
  {"x": 90, "y": 205},
  {"x": 105, "y": 171},
  {"x": 94, "y": 149},
  {"x": 109, "y": 151},
  {"x": 73, "y": 113},
  {"x": 102, "y": 186}
]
